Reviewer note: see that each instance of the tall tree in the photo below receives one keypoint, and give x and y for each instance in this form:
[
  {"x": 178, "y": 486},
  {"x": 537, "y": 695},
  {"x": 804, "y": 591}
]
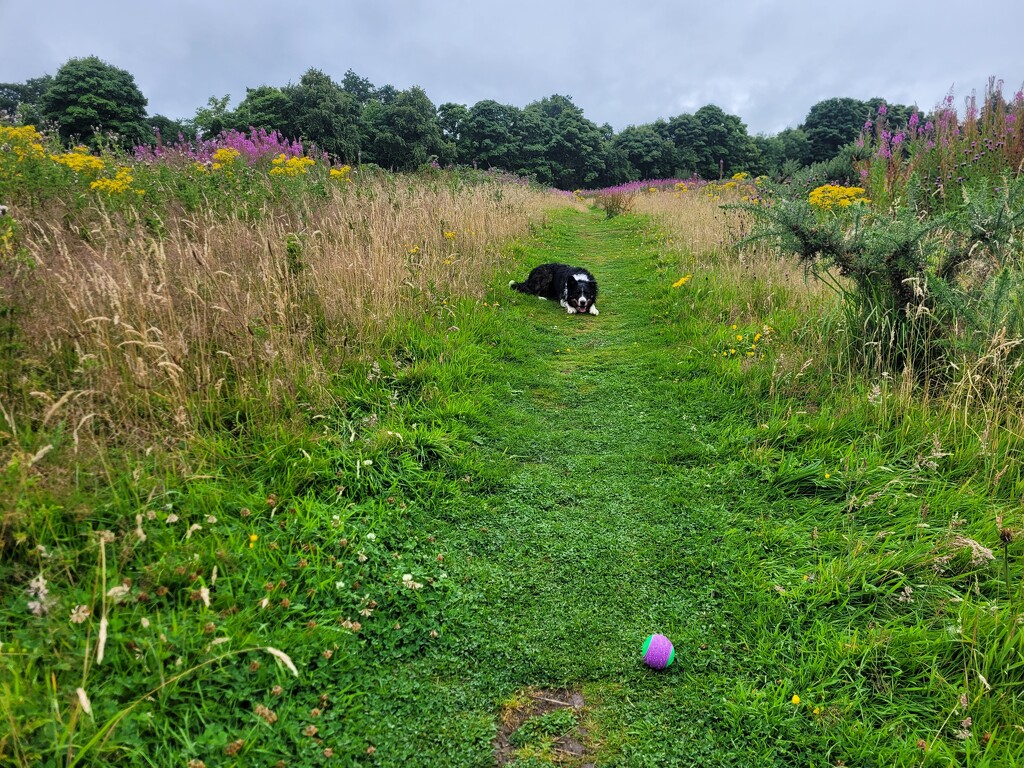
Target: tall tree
[
  {"x": 20, "y": 101},
  {"x": 533, "y": 135},
  {"x": 167, "y": 131},
  {"x": 832, "y": 124},
  {"x": 782, "y": 153},
  {"x": 89, "y": 97},
  {"x": 359, "y": 88},
  {"x": 213, "y": 118},
  {"x": 691, "y": 151},
  {"x": 728, "y": 147},
  {"x": 490, "y": 135},
  {"x": 648, "y": 150},
  {"x": 576, "y": 148},
  {"x": 266, "y": 107},
  {"x": 452, "y": 119},
  {"x": 325, "y": 115},
  {"x": 406, "y": 133}
]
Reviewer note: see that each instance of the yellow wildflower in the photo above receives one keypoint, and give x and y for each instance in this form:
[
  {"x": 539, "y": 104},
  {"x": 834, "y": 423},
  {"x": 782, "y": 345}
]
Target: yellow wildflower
[
  {"x": 253, "y": 538},
  {"x": 79, "y": 160},
  {"x": 829, "y": 196},
  {"x": 795, "y": 700},
  {"x": 24, "y": 142},
  {"x": 294, "y": 166},
  {"x": 120, "y": 183},
  {"x": 681, "y": 281},
  {"x": 225, "y": 156},
  {"x": 342, "y": 174}
]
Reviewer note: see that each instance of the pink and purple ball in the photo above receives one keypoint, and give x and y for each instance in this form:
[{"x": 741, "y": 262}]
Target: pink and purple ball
[{"x": 658, "y": 651}]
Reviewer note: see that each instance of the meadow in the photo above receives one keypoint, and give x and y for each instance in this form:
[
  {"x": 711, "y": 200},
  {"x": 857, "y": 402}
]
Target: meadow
[{"x": 291, "y": 478}]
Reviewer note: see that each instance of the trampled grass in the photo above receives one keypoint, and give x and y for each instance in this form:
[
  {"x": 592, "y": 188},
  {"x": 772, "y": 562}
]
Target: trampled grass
[{"x": 506, "y": 500}]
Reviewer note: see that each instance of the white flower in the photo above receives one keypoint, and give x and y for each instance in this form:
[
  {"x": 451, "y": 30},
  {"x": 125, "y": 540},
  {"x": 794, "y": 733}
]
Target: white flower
[
  {"x": 37, "y": 587},
  {"x": 172, "y": 518},
  {"x": 192, "y": 529},
  {"x": 79, "y": 614},
  {"x": 408, "y": 582},
  {"x": 118, "y": 592},
  {"x": 371, "y": 536}
]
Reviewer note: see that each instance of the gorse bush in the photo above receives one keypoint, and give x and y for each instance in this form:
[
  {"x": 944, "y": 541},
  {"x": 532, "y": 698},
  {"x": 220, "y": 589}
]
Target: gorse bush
[
  {"x": 926, "y": 253},
  {"x": 879, "y": 266}
]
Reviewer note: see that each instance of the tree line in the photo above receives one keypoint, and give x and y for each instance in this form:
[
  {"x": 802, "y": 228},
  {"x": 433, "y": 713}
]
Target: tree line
[{"x": 356, "y": 122}]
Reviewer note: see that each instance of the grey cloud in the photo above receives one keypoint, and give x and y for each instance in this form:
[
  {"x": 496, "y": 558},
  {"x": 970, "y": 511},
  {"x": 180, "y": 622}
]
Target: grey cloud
[{"x": 767, "y": 61}]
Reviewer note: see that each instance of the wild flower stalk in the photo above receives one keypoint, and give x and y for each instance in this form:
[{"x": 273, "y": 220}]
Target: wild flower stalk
[{"x": 933, "y": 157}]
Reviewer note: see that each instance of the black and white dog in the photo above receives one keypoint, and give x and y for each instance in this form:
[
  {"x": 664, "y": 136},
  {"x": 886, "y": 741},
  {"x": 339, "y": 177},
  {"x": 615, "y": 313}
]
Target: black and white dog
[{"x": 572, "y": 287}]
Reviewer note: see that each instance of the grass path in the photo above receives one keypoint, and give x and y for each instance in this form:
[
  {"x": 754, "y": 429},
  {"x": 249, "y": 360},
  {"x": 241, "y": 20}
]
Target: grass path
[{"x": 607, "y": 524}]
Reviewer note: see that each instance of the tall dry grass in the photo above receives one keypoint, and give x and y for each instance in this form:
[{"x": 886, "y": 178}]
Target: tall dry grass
[
  {"x": 704, "y": 233},
  {"x": 117, "y": 329}
]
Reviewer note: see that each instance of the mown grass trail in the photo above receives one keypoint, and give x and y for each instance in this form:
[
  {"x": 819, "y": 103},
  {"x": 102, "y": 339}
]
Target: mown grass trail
[
  {"x": 825, "y": 607},
  {"x": 604, "y": 519}
]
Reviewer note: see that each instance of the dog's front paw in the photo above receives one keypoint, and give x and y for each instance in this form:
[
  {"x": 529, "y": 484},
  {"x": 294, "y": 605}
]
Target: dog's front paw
[
  {"x": 593, "y": 310},
  {"x": 570, "y": 310}
]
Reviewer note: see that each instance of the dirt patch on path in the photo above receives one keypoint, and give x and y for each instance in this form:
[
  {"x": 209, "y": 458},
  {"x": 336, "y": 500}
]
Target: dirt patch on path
[{"x": 545, "y": 724}]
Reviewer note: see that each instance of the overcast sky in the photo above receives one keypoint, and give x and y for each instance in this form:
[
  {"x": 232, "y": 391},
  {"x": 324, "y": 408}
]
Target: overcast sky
[{"x": 621, "y": 62}]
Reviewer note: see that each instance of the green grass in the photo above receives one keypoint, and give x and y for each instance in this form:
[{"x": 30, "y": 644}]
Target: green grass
[{"x": 559, "y": 487}]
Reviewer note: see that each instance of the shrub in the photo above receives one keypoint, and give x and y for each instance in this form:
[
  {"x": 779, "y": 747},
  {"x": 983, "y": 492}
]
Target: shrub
[{"x": 615, "y": 203}]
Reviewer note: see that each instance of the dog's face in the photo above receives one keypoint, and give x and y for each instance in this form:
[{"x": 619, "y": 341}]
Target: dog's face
[{"x": 579, "y": 293}]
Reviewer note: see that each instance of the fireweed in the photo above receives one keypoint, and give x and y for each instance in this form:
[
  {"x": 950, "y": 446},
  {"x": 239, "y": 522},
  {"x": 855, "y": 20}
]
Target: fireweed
[
  {"x": 929, "y": 161},
  {"x": 258, "y": 146}
]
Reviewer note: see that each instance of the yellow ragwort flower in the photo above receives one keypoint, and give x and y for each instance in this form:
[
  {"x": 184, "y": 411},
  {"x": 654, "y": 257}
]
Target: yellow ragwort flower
[
  {"x": 294, "y": 166},
  {"x": 829, "y": 196}
]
